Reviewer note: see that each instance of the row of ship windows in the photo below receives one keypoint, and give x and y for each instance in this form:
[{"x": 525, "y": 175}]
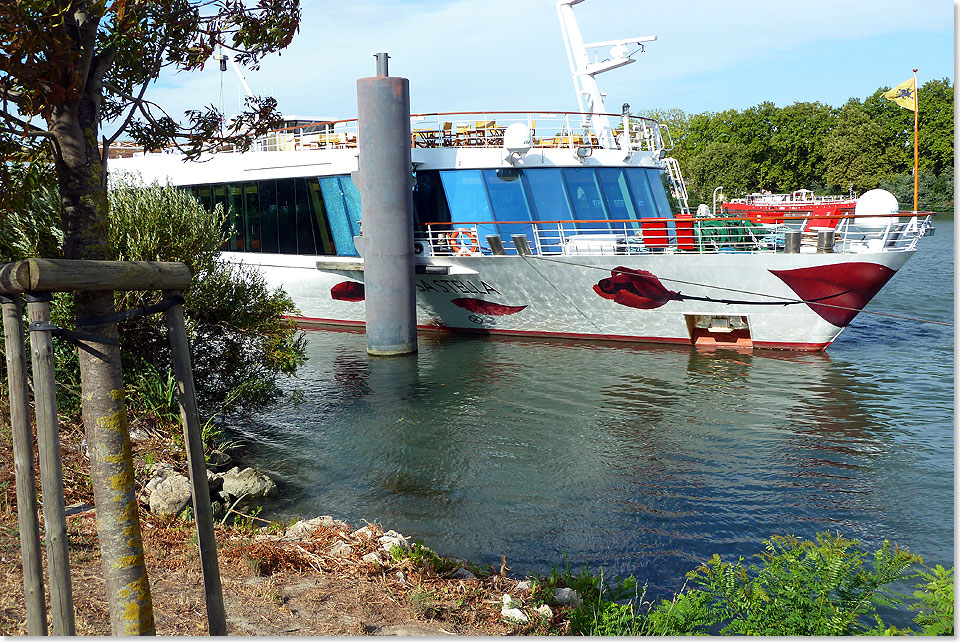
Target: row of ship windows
[{"x": 320, "y": 216}]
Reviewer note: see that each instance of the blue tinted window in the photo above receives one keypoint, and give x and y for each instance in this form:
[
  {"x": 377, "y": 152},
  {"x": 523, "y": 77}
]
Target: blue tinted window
[
  {"x": 585, "y": 196},
  {"x": 467, "y": 200},
  {"x": 549, "y": 198},
  {"x": 340, "y": 205},
  {"x": 644, "y": 204},
  {"x": 619, "y": 202},
  {"x": 659, "y": 193},
  {"x": 509, "y": 203},
  {"x": 548, "y": 202}
]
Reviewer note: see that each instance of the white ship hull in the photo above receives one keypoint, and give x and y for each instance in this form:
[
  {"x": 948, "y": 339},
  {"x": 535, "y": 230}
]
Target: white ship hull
[{"x": 558, "y": 296}]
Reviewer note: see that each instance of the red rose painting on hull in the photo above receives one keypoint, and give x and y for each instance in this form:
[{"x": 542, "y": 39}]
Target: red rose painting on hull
[
  {"x": 635, "y": 289},
  {"x": 347, "y": 291},
  {"x": 479, "y": 306}
]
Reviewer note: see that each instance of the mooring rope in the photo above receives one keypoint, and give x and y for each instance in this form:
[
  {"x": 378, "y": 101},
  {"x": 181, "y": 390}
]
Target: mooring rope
[{"x": 783, "y": 299}]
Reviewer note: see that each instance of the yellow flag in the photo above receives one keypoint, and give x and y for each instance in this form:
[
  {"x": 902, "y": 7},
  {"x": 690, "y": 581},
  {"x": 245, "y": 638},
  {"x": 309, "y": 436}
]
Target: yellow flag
[{"x": 904, "y": 94}]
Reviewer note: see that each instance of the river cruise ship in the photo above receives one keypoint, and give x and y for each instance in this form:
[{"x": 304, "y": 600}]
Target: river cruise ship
[{"x": 549, "y": 224}]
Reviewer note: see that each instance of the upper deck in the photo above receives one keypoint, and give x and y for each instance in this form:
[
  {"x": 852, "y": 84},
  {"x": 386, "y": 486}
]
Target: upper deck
[{"x": 455, "y": 130}]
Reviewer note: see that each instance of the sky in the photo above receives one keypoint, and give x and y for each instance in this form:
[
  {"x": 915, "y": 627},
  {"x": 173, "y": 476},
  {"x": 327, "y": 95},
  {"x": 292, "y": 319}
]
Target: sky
[{"x": 497, "y": 55}]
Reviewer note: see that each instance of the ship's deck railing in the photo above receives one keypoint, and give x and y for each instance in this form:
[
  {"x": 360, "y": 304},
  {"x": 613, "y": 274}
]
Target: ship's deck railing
[
  {"x": 573, "y": 130},
  {"x": 799, "y": 197},
  {"x": 477, "y": 129},
  {"x": 714, "y": 235}
]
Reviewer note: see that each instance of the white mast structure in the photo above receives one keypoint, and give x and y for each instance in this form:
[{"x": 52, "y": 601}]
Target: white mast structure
[{"x": 584, "y": 72}]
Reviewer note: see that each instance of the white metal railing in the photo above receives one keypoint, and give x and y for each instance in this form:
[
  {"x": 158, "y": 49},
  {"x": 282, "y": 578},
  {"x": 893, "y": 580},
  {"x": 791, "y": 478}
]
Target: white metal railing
[
  {"x": 471, "y": 129},
  {"x": 679, "y": 235}
]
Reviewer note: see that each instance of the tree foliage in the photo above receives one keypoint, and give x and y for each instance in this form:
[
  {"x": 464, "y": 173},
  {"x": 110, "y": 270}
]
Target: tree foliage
[{"x": 860, "y": 146}]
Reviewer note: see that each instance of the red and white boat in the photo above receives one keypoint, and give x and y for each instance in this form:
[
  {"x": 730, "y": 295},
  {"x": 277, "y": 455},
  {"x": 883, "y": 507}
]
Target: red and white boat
[
  {"x": 767, "y": 208},
  {"x": 552, "y": 224}
]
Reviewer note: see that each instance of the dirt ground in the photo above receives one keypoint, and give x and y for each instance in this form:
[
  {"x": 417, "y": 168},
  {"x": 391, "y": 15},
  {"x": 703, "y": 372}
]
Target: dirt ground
[{"x": 271, "y": 586}]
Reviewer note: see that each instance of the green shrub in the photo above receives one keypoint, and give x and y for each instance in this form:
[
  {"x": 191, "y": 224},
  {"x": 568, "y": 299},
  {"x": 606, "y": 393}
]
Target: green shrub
[
  {"x": 798, "y": 587},
  {"x": 240, "y": 343},
  {"x": 935, "y": 602}
]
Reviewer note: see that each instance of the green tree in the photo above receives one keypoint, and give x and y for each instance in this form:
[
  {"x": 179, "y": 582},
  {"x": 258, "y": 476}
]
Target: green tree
[
  {"x": 72, "y": 66},
  {"x": 720, "y": 164},
  {"x": 796, "y": 145},
  {"x": 858, "y": 155}
]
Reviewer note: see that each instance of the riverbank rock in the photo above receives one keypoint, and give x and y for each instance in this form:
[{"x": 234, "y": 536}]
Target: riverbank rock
[
  {"x": 511, "y": 610},
  {"x": 304, "y": 528},
  {"x": 392, "y": 538},
  {"x": 170, "y": 495},
  {"x": 340, "y": 549},
  {"x": 249, "y": 484},
  {"x": 566, "y": 596},
  {"x": 463, "y": 574}
]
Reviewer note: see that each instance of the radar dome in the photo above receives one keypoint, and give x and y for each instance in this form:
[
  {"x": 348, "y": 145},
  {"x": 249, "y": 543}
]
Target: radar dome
[
  {"x": 873, "y": 203},
  {"x": 517, "y": 139}
]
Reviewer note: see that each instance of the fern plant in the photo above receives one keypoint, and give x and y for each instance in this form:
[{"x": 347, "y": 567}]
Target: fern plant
[
  {"x": 802, "y": 587},
  {"x": 935, "y": 602}
]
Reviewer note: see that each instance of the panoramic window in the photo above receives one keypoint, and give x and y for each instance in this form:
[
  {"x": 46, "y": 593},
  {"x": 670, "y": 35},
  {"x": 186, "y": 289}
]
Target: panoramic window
[
  {"x": 467, "y": 199},
  {"x": 276, "y": 216},
  {"x": 508, "y": 200},
  {"x": 342, "y": 201}
]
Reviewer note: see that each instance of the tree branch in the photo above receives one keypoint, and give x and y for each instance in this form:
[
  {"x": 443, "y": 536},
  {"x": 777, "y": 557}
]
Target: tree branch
[
  {"x": 136, "y": 102},
  {"x": 37, "y": 133}
]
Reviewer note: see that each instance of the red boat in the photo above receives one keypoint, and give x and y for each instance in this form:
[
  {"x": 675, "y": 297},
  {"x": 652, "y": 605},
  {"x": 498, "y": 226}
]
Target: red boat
[{"x": 820, "y": 211}]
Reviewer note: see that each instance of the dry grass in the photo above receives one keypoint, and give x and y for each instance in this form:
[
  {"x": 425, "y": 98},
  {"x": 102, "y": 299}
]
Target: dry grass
[{"x": 270, "y": 586}]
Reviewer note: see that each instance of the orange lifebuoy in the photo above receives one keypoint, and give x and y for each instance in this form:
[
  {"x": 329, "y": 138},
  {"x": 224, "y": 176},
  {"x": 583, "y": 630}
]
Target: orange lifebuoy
[{"x": 463, "y": 241}]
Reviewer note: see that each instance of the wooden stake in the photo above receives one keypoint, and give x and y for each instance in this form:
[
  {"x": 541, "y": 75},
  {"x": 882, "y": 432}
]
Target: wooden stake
[
  {"x": 51, "y": 474},
  {"x": 196, "y": 464},
  {"x": 23, "y": 465}
]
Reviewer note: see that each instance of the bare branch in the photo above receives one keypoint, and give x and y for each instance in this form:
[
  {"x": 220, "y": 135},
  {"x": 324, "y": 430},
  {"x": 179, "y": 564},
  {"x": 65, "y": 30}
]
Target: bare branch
[{"x": 126, "y": 121}]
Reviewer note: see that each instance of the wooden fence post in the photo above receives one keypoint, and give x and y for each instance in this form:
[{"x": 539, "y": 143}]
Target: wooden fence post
[
  {"x": 23, "y": 464},
  {"x": 51, "y": 474},
  {"x": 196, "y": 464}
]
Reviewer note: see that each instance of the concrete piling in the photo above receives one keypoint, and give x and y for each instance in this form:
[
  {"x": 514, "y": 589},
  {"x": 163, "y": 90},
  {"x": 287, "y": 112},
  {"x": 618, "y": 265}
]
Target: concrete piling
[{"x": 384, "y": 179}]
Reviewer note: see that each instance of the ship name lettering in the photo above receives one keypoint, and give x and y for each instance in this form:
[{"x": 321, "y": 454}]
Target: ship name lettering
[{"x": 453, "y": 286}]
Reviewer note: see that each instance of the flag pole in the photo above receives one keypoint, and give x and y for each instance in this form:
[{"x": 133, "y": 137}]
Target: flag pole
[{"x": 916, "y": 142}]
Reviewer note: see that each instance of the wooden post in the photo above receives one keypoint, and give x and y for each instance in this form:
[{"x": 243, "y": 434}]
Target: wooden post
[
  {"x": 196, "y": 465},
  {"x": 51, "y": 474},
  {"x": 27, "y": 519}
]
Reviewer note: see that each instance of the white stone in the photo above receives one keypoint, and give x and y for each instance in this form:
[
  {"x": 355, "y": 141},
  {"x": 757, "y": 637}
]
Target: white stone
[
  {"x": 363, "y": 532},
  {"x": 249, "y": 484},
  {"x": 566, "y": 596},
  {"x": 170, "y": 496},
  {"x": 545, "y": 612},
  {"x": 340, "y": 549},
  {"x": 510, "y": 611},
  {"x": 162, "y": 469},
  {"x": 371, "y": 558},
  {"x": 392, "y": 538},
  {"x": 304, "y": 528},
  {"x": 524, "y": 585}
]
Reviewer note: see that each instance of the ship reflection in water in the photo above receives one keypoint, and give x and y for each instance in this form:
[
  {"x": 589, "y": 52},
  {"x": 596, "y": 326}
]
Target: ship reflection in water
[{"x": 632, "y": 459}]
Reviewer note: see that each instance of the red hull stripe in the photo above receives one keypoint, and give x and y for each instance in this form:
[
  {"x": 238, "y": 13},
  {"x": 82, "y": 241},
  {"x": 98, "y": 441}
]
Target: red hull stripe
[{"x": 813, "y": 347}]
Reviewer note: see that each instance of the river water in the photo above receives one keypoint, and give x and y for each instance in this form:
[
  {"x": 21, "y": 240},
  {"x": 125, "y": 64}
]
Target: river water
[{"x": 640, "y": 460}]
